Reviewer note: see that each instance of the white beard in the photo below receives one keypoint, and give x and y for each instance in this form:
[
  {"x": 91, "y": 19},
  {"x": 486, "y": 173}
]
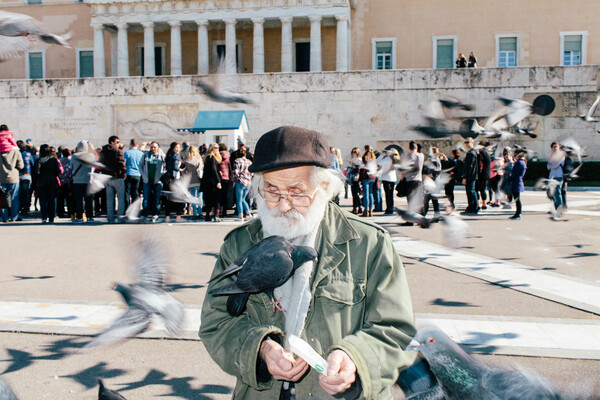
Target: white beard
[{"x": 292, "y": 224}]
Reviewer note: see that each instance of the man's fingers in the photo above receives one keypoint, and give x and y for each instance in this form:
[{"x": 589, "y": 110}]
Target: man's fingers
[{"x": 334, "y": 360}]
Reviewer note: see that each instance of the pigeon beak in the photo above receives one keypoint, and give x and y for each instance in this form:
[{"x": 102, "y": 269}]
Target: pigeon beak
[{"x": 413, "y": 346}]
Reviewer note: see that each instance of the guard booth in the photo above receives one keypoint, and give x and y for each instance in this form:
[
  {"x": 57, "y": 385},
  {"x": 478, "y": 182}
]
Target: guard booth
[{"x": 227, "y": 127}]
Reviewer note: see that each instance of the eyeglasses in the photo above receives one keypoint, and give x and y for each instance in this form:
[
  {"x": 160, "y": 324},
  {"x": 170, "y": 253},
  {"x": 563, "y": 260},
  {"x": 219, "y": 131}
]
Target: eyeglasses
[{"x": 300, "y": 199}]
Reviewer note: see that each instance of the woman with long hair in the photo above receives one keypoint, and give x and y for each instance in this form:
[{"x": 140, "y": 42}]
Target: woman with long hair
[
  {"x": 193, "y": 167},
  {"x": 174, "y": 168},
  {"x": 211, "y": 183},
  {"x": 46, "y": 172},
  {"x": 352, "y": 178},
  {"x": 367, "y": 181},
  {"x": 243, "y": 179},
  {"x": 387, "y": 160}
]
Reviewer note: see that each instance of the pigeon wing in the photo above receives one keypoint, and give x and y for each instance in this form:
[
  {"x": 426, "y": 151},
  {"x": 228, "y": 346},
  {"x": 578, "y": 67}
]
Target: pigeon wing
[
  {"x": 12, "y": 47},
  {"x": 6, "y": 392},
  {"x": 152, "y": 263},
  {"x": 129, "y": 324},
  {"x": 171, "y": 313},
  {"x": 105, "y": 393},
  {"x": 435, "y": 393}
]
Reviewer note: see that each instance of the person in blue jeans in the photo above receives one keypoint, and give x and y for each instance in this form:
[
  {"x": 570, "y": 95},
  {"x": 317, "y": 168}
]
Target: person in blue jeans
[
  {"x": 470, "y": 169},
  {"x": 133, "y": 157},
  {"x": 556, "y": 164},
  {"x": 516, "y": 176},
  {"x": 10, "y": 164},
  {"x": 152, "y": 168},
  {"x": 242, "y": 178},
  {"x": 368, "y": 180}
]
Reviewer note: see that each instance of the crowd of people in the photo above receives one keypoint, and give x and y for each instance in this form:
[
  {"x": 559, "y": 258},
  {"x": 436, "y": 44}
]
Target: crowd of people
[
  {"x": 57, "y": 181},
  {"x": 64, "y": 183}
]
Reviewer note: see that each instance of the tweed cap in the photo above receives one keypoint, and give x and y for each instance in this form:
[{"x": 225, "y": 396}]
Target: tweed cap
[{"x": 288, "y": 147}]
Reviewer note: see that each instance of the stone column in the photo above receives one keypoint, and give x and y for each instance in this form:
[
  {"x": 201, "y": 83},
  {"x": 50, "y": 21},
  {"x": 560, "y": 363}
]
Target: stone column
[
  {"x": 315, "y": 43},
  {"x": 202, "y": 46},
  {"x": 149, "y": 63},
  {"x": 99, "y": 59},
  {"x": 122, "y": 50},
  {"x": 341, "y": 48},
  {"x": 286, "y": 44},
  {"x": 114, "y": 54},
  {"x": 230, "y": 53},
  {"x": 258, "y": 49},
  {"x": 175, "y": 47}
]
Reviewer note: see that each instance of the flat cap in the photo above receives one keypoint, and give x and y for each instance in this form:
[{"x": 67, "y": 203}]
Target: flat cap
[{"x": 288, "y": 147}]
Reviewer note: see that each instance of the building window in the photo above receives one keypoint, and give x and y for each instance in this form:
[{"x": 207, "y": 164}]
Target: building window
[
  {"x": 160, "y": 63},
  {"x": 507, "y": 50},
  {"x": 218, "y": 53},
  {"x": 33, "y": 1},
  {"x": 572, "y": 48},
  {"x": 85, "y": 63},
  {"x": 34, "y": 64},
  {"x": 444, "y": 51},
  {"x": 384, "y": 53}
]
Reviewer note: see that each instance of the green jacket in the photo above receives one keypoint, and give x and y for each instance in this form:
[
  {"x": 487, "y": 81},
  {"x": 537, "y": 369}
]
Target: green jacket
[{"x": 360, "y": 304}]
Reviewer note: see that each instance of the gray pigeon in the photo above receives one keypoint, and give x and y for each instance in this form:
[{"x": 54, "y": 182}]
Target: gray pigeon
[
  {"x": 105, "y": 393},
  {"x": 16, "y": 30},
  {"x": 144, "y": 299},
  {"x": 6, "y": 392},
  {"x": 179, "y": 191},
  {"x": 264, "y": 267},
  {"x": 461, "y": 377},
  {"x": 222, "y": 89}
]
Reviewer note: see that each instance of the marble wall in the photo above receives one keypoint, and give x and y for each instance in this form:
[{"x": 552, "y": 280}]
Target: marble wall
[{"x": 352, "y": 109}]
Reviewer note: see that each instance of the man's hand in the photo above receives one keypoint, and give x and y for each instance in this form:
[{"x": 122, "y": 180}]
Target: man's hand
[
  {"x": 341, "y": 373},
  {"x": 281, "y": 364},
  {"x": 464, "y": 181}
]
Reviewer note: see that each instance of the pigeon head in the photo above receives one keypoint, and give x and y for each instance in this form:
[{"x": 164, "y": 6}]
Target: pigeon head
[
  {"x": 124, "y": 289},
  {"x": 302, "y": 254}
]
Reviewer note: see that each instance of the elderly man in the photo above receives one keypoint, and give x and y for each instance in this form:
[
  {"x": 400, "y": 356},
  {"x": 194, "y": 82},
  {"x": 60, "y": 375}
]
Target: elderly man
[{"x": 353, "y": 307}]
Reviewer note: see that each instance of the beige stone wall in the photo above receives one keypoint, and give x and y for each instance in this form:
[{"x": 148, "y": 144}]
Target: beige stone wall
[
  {"x": 475, "y": 23},
  {"x": 352, "y": 109}
]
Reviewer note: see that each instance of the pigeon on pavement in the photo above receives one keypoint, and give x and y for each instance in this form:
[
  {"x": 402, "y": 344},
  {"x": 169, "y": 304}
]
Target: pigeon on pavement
[
  {"x": 461, "y": 377},
  {"x": 144, "y": 299},
  {"x": 105, "y": 393},
  {"x": 264, "y": 267},
  {"x": 6, "y": 392},
  {"x": 16, "y": 32}
]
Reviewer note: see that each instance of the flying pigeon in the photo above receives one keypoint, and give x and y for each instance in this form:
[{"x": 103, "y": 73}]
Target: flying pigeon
[
  {"x": 105, "y": 393},
  {"x": 88, "y": 159},
  {"x": 222, "y": 89},
  {"x": 132, "y": 213},
  {"x": 264, "y": 267},
  {"x": 144, "y": 299},
  {"x": 6, "y": 392},
  {"x": 17, "y": 30},
  {"x": 517, "y": 110},
  {"x": 589, "y": 116},
  {"x": 455, "y": 230},
  {"x": 461, "y": 377},
  {"x": 440, "y": 120},
  {"x": 179, "y": 192},
  {"x": 97, "y": 182}
]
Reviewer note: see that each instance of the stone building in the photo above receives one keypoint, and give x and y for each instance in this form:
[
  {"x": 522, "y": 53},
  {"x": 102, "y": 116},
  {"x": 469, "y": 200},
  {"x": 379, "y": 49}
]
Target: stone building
[{"x": 187, "y": 37}]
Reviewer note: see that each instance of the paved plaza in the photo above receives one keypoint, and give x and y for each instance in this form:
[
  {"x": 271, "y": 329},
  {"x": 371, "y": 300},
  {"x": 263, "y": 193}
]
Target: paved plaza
[{"x": 516, "y": 293}]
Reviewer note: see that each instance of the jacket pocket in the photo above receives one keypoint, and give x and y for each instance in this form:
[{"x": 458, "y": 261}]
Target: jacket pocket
[{"x": 347, "y": 291}]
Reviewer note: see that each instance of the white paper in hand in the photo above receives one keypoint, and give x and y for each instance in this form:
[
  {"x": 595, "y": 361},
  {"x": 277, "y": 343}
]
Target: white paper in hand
[{"x": 308, "y": 354}]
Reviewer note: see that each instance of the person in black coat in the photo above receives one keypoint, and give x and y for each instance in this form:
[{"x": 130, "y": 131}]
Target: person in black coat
[
  {"x": 211, "y": 183},
  {"x": 469, "y": 176},
  {"x": 483, "y": 178}
]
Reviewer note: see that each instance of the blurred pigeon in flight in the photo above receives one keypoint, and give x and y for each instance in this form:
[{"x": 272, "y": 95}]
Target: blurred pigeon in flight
[
  {"x": 517, "y": 110},
  {"x": 589, "y": 116},
  {"x": 144, "y": 299},
  {"x": 6, "y": 392},
  {"x": 222, "y": 90},
  {"x": 179, "y": 191},
  {"x": 105, "y": 393},
  {"x": 455, "y": 230},
  {"x": 88, "y": 159},
  {"x": 132, "y": 213},
  {"x": 97, "y": 182},
  {"x": 264, "y": 267},
  {"x": 526, "y": 127},
  {"x": 17, "y": 30},
  {"x": 461, "y": 377}
]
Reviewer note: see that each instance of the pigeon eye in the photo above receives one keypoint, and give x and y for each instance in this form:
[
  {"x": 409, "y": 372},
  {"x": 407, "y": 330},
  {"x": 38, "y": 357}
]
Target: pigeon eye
[{"x": 431, "y": 340}]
